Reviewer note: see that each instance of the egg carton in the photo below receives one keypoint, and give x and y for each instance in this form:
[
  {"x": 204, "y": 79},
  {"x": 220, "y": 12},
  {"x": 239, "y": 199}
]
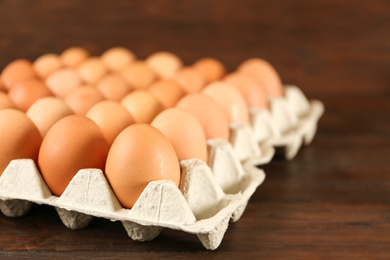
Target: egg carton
[{"x": 208, "y": 198}]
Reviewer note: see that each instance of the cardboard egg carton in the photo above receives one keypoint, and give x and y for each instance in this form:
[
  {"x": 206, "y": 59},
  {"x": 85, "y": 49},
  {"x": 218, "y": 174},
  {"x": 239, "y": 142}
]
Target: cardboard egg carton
[{"x": 208, "y": 198}]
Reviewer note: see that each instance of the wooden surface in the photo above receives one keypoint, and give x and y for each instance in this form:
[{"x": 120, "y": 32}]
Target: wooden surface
[{"x": 331, "y": 201}]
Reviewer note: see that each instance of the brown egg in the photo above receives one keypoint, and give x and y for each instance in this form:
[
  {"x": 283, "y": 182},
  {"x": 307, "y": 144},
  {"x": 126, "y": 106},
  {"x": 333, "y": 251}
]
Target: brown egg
[
  {"x": 167, "y": 91},
  {"x": 138, "y": 75},
  {"x": 16, "y": 71},
  {"x": 81, "y": 99},
  {"x": 142, "y": 105},
  {"x": 6, "y": 102},
  {"x": 211, "y": 69},
  {"x": 254, "y": 94},
  {"x": 45, "y": 112},
  {"x": 113, "y": 87},
  {"x": 73, "y": 56},
  {"x": 140, "y": 154},
  {"x": 47, "y": 64},
  {"x": 117, "y": 58},
  {"x": 230, "y": 99},
  {"x": 63, "y": 81},
  {"x": 19, "y": 137},
  {"x": 210, "y": 114},
  {"x": 91, "y": 70},
  {"x": 111, "y": 117},
  {"x": 73, "y": 143},
  {"x": 263, "y": 72},
  {"x": 185, "y": 133},
  {"x": 190, "y": 79},
  {"x": 165, "y": 64}
]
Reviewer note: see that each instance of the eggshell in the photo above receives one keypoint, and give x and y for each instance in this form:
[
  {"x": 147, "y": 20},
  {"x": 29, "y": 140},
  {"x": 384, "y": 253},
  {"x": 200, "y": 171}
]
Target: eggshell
[
  {"x": 63, "y": 81},
  {"x": 111, "y": 117},
  {"x": 81, "y": 99},
  {"x": 138, "y": 75},
  {"x": 73, "y": 143},
  {"x": 91, "y": 70},
  {"x": 47, "y": 64},
  {"x": 73, "y": 56},
  {"x": 113, "y": 87},
  {"x": 211, "y": 69},
  {"x": 140, "y": 154},
  {"x": 263, "y": 72},
  {"x": 190, "y": 79},
  {"x": 26, "y": 92},
  {"x": 184, "y": 131},
  {"x": 6, "y": 102},
  {"x": 16, "y": 71},
  {"x": 117, "y": 58},
  {"x": 165, "y": 64},
  {"x": 254, "y": 94},
  {"x": 230, "y": 99},
  {"x": 142, "y": 105},
  {"x": 210, "y": 114},
  {"x": 167, "y": 91},
  {"x": 19, "y": 137},
  {"x": 45, "y": 112}
]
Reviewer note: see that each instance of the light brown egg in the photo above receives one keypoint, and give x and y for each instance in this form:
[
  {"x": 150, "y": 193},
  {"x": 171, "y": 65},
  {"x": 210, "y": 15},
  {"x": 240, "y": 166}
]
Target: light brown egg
[
  {"x": 210, "y": 114},
  {"x": 73, "y": 143},
  {"x": 81, "y": 99},
  {"x": 113, "y": 87},
  {"x": 230, "y": 99},
  {"x": 111, "y": 117},
  {"x": 167, "y": 91},
  {"x": 263, "y": 72},
  {"x": 19, "y": 137},
  {"x": 185, "y": 133},
  {"x": 73, "y": 56},
  {"x": 142, "y": 105},
  {"x": 45, "y": 112},
  {"x": 140, "y": 154},
  {"x": 190, "y": 79},
  {"x": 138, "y": 75},
  {"x": 254, "y": 94},
  {"x": 6, "y": 102},
  {"x": 211, "y": 69},
  {"x": 91, "y": 70},
  {"x": 47, "y": 64},
  {"x": 63, "y": 81},
  {"x": 26, "y": 92},
  {"x": 165, "y": 64},
  {"x": 16, "y": 71},
  {"x": 117, "y": 58}
]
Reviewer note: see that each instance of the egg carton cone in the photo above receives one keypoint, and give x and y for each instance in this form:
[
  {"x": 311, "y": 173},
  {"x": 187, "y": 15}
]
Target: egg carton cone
[
  {"x": 208, "y": 198},
  {"x": 290, "y": 122}
]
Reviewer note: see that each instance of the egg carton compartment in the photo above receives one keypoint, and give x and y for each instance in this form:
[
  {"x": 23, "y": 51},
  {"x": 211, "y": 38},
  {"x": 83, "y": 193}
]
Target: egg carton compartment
[
  {"x": 290, "y": 122},
  {"x": 208, "y": 197}
]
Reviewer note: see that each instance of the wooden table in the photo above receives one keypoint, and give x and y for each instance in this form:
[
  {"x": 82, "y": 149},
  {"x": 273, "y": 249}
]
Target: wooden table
[{"x": 331, "y": 201}]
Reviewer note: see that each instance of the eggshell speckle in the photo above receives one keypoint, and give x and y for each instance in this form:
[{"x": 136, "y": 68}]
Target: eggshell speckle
[{"x": 142, "y": 105}]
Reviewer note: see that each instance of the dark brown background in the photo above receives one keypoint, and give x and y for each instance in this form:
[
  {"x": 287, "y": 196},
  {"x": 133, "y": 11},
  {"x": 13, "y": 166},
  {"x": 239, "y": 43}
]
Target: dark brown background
[{"x": 331, "y": 201}]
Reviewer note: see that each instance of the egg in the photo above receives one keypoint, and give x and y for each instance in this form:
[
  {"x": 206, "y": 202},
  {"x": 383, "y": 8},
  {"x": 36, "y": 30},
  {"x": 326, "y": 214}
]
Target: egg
[
  {"x": 113, "y": 87},
  {"x": 63, "y": 81},
  {"x": 16, "y": 71},
  {"x": 47, "y": 64},
  {"x": 254, "y": 94},
  {"x": 6, "y": 102},
  {"x": 230, "y": 99},
  {"x": 190, "y": 79},
  {"x": 138, "y": 75},
  {"x": 111, "y": 117},
  {"x": 19, "y": 137},
  {"x": 91, "y": 70},
  {"x": 140, "y": 154},
  {"x": 117, "y": 58},
  {"x": 165, "y": 64},
  {"x": 262, "y": 71},
  {"x": 210, "y": 68},
  {"x": 184, "y": 131},
  {"x": 167, "y": 91},
  {"x": 73, "y": 56},
  {"x": 142, "y": 105},
  {"x": 81, "y": 99},
  {"x": 26, "y": 92},
  {"x": 210, "y": 114},
  {"x": 46, "y": 111},
  {"x": 73, "y": 143}
]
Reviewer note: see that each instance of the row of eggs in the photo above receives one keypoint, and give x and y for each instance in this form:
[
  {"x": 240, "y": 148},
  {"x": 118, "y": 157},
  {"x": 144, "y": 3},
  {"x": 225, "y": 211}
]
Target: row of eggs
[{"x": 133, "y": 119}]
